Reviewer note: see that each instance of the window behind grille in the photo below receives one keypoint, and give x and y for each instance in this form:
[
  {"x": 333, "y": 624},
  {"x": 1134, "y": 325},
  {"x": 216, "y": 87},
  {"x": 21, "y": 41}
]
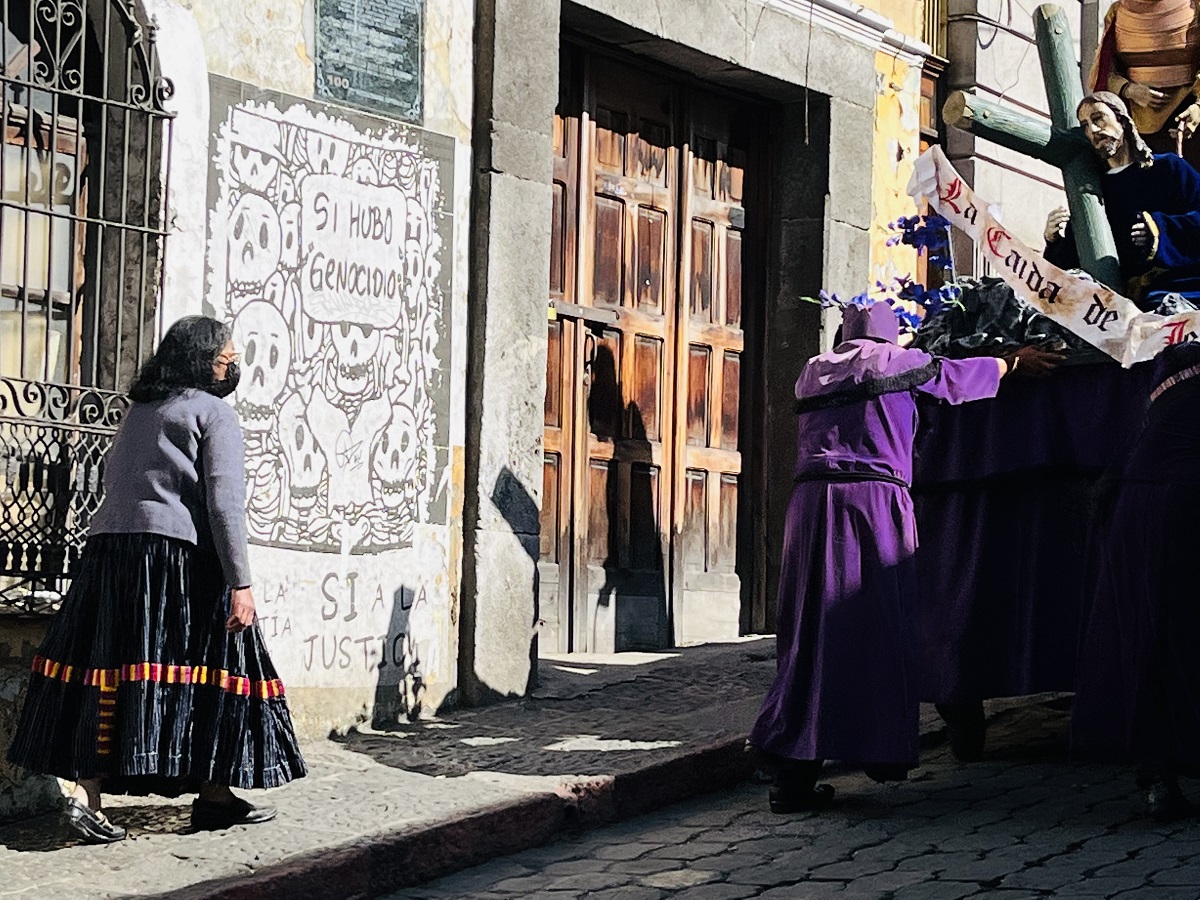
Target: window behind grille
[{"x": 83, "y": 187}]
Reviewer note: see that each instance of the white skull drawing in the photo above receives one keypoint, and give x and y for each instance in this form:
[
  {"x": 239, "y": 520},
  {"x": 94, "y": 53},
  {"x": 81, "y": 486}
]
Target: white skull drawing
[
  {"x": 253, "y": 169},
  {"x": 311, "y": 336},
  {"x": 326, "y": 155},
  {"x": 289, "y": 226},
  {"x": 400, "y": 169},
  {"x": 363, "y": 171},
  {"x": 261, "y": 335},
  {"x": 305, "y": 460},
  {"x": 253, "y": 243},
  {"x": 281, "y": 291},
  {"x": 354, "y": 349},
  {"x": 285, "y": 191},
  {"x": 394, "y": 461},
  {"x": 254, "y": 151}
]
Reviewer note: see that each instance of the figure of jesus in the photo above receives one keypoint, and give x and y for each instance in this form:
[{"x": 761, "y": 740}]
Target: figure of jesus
[{"x": 1152, "y": 202}]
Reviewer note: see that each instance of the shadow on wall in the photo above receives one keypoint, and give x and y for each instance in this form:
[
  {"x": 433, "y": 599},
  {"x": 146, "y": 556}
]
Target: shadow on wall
[
  {"x": 400, "y": 689},
  {"x": 628, "y": 546},
  {"x": 518, "y": 508}
]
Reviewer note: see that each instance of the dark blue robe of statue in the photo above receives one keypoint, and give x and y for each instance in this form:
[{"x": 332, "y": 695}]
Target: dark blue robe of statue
[{"x": 1170, "y": 191}]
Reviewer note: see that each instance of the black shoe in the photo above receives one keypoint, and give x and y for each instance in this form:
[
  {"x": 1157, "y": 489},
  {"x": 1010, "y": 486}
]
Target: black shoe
[
  {"x": 968, "y": 729},
  {"x": 886, "y": 772},
  {"x": 211, "y": 816},
  {"x": 93, "y": 825},
  {"x": 1165, "y": 803},
  {"x": 784, "y": 801}
]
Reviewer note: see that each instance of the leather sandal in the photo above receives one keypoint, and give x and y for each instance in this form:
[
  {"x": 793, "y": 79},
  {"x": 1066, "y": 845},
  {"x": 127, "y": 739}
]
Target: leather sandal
[
  {"x": 210, "y": 816},
  {"x": 92, "y": 824}
]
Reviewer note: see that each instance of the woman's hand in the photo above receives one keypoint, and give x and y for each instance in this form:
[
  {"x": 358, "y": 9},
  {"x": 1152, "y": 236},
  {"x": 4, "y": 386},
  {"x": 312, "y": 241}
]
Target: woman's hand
[
  {"x": 241, "y": 604},
  {"x": 1144, "y": 95}
]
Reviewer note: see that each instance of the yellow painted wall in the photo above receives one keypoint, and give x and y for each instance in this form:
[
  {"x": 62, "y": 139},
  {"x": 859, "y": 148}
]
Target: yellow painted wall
[
  {"x": 897, "y": 141},
  {"x": 906, "y": 15}
]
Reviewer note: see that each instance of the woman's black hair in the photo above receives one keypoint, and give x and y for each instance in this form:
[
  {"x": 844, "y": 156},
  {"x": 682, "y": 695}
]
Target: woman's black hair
[{"x": 184, "y": 359}]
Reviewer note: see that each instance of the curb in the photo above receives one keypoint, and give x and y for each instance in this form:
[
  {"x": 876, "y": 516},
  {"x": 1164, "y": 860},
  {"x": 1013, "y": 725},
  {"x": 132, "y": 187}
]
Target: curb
[{"x": 388, "y": 862}]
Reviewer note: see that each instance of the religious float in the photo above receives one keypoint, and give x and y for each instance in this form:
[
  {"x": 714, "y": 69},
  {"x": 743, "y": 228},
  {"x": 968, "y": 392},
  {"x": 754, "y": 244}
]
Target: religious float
[{"x": 1003, "y": 488}]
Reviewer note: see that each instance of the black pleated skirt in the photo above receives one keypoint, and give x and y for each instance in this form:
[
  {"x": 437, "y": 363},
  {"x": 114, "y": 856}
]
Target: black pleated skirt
[{"x": 138, "y": 678}]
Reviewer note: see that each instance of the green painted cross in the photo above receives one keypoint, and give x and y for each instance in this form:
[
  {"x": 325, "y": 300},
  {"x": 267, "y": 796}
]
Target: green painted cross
[{"x": 1061, "y": 144}]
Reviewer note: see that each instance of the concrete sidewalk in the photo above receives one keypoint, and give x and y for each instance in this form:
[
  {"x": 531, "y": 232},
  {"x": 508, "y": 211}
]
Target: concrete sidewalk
[{"x": 600, "y": 739}]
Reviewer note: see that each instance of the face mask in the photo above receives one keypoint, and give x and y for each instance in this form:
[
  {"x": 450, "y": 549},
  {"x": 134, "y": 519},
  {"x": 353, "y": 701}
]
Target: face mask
[{"x": 228, "y": 385}]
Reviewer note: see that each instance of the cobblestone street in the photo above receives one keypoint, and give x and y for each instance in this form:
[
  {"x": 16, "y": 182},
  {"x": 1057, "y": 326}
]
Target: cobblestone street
[{"x": 1024, "y": 823}]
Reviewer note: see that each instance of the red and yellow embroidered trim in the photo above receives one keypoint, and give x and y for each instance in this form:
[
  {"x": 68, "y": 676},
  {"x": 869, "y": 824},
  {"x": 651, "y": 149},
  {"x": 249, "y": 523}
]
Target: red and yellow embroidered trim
[
  {"x": 108, "y": 679},
  {"x": 108, "y": 706}
]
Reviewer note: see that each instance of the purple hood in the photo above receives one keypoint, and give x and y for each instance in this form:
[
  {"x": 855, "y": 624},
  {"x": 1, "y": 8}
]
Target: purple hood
[{"x": 868, "y": 352}]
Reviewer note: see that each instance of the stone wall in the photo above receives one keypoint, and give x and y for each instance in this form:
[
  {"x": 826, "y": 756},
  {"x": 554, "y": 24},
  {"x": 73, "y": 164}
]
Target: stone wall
[{"x": 21, "y": 794}]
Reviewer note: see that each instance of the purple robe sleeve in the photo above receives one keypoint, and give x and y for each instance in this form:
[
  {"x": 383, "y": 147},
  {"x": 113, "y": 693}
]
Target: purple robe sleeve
[{"x": 961, "y": 380}]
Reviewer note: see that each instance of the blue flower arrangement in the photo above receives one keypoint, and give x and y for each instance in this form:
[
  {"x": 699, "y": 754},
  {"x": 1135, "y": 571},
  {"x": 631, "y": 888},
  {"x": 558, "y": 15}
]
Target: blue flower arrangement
[{"x": 929, "y": 235}]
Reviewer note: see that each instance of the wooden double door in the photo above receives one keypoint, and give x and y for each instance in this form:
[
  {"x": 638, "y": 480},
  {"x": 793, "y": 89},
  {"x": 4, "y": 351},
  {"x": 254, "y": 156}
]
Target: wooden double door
[{"x": 646, "y": 364}]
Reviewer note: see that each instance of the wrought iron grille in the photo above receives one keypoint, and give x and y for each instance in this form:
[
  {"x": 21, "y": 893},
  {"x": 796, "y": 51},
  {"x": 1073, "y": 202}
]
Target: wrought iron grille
[{"x": 84, "y": 165}]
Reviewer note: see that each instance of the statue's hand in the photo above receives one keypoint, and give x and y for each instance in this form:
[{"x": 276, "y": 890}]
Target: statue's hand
[
  {"x": 1140, "y": 234},
  {"x": 1188, "y": 121},
  {"x": 1056, "y": 224},
  {"x": 1144, "y": 95}
]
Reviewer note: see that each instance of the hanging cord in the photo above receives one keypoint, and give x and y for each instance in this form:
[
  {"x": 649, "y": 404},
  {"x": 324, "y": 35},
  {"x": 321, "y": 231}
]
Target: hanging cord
[{"x": 807, "y": 58}]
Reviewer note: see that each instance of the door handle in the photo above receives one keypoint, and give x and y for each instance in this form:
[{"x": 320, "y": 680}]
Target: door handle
[{"x": 589, "y": 357}]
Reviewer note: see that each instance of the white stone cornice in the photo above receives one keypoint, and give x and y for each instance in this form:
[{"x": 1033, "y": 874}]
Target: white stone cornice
[{"x": 859, "y": 24}]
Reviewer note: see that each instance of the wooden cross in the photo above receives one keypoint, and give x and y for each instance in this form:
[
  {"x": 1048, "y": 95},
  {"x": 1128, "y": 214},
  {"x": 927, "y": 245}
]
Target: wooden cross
[{"x": 1062, "y": 144}]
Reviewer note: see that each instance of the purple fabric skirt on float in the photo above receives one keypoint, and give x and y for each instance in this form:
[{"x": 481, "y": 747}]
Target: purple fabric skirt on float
[
  {"x": 844, "y": 687},
  {"x": 138, "y": 678},
  {"x": 1004, "y": 490},
  {"x": 1138, "y": 693}
]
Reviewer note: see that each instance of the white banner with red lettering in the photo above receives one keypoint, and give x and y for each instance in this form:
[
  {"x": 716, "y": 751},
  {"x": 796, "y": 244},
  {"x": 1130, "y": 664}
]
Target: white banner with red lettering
[{"x": 1100, "y": 316}]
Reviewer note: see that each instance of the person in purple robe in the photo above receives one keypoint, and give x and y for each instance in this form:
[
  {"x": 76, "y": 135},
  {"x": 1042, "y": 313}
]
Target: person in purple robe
[
  {"x": 1137, "y": 697},
  {"x": 846, "y": 684}
]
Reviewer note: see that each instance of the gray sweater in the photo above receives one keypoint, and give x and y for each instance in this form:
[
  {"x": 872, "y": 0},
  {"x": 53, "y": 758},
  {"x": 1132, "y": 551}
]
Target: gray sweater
[{"x": 177, "y": 467}]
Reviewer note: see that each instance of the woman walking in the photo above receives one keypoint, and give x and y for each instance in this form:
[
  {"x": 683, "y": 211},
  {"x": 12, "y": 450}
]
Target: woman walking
[
  {"x": 154, "y": 666},
  {"x": 846, "y": 682}
]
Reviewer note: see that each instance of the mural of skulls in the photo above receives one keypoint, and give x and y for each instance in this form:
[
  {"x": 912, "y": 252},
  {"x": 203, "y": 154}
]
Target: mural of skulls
[
  {"x": 354, "y": 349},
  {"x": 254, "y": 153},
  {"x": 340, "y": 417},
  {"x": 261, "y": 335},
  {"x": 289, "y": 226},
  {"x": 253, "y": 243},
  {"x": 305, "y": 460},
  {"x": 326, "y": 155},
  {"x": 394, "y": 461}
]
